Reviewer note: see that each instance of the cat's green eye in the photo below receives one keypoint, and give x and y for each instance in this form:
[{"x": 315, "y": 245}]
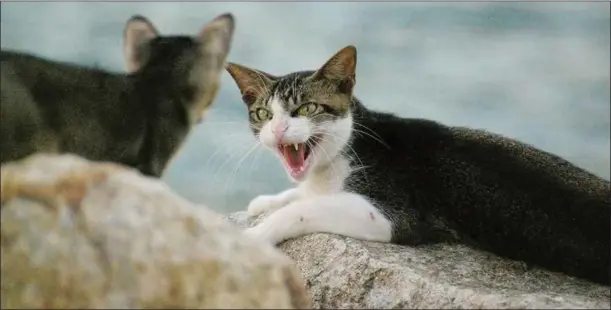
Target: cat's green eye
[
  {"x": 308, "y": 109},
  {"x": 261, "y": 114}
]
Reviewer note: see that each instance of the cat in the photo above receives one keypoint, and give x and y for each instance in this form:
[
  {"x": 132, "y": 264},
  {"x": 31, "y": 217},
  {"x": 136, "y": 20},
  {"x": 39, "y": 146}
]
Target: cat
[
  {"x": 138, "y": 119},
  {"x": 378, "y": 177}
]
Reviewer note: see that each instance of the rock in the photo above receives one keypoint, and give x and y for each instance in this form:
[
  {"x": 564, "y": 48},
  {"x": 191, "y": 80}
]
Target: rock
[
  {"x": 346, "y": 273},
  {"x": 78, "y": 234}
]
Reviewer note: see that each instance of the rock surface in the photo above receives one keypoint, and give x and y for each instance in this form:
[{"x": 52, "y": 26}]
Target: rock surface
[
  {"x": 345, "y": 273},
  {"x": 77, "y": 234}
]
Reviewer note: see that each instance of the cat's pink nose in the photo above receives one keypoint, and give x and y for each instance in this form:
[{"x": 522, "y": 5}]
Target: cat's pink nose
[{"x": 279, "y": 131}]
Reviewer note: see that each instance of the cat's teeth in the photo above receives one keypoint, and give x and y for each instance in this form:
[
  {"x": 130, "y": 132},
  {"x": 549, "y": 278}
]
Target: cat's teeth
[{"x": 296, "y": 147}]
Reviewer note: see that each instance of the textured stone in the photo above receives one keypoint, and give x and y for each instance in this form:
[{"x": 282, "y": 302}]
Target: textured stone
[
  {"x": 346, "y": 273},
  {"x": 77, "y": 234}
]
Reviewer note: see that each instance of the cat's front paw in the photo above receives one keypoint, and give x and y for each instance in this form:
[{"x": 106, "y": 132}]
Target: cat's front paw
[{"x": 262, "y": 204}]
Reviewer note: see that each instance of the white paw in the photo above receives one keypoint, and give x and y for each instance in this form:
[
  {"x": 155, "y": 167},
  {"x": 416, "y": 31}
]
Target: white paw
[{"x": 262, "y": 204}]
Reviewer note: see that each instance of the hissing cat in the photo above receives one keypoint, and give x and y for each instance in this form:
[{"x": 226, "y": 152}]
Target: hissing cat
[
  {"x": 375, "y": 176},
  {"x": 138, "y": 119}
]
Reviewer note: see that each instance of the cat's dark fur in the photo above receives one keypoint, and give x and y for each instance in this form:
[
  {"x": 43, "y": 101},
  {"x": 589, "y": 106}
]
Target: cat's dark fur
[{"x": 138, "y": 119}]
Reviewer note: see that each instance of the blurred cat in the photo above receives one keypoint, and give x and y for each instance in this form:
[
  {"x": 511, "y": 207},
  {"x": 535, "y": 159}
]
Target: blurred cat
[
  {"x": 138, "y": 119},
  {"x": 376, "y": 176}
]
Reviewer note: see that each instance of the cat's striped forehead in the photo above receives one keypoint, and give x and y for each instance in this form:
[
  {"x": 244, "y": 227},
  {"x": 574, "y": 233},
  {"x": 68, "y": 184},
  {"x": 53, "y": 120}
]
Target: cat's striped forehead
[{"x": 291, "y": 90}]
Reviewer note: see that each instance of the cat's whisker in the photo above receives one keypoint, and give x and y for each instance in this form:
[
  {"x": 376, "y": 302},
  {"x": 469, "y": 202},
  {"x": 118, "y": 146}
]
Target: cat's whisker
[
  {"x": 218, "y": 122},
  {"x": 253, "y": 164},
  {"x": 220, "y": 167},
  {"x": 373, "y": 134},
  {"x": 315, "y": 144},
  {"x": 232, "y": 154},
  {"x": 373, "y": 137},
  {"x": 353, "y": 168},
  {"x": 223, "y": 145},
  {"x": 312, "y": 153},
  {"x": 237, "y": 166},
  {"x": 341, "y": 150},
  {"x": 250, "y": 126}
]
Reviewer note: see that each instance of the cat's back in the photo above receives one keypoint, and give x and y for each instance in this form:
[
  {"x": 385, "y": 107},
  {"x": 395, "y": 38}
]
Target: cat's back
[
  {"x": 25, "y": 67},
  {"x": 521, "y": 163},
  {"x": 37, "y": 72}
]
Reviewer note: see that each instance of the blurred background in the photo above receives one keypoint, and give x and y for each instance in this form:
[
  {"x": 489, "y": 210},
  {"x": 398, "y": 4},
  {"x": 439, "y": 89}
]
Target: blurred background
[{"x": 538, "y": 72}]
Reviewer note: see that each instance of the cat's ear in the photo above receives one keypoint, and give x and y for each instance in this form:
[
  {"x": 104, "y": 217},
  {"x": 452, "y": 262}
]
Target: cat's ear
[
  {"x": 340, "y": 69},
  {"x": 138, "y": 32},
  {"x": 252, "y": 83},
  {"x": 215, "y": 41}
]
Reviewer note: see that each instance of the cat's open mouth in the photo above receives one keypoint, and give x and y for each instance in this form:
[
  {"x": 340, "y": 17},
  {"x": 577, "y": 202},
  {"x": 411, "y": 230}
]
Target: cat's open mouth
[{"x": 296, "y": 156}]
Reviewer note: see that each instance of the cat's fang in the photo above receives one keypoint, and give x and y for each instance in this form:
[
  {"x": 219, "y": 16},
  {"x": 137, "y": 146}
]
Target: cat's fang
[{"x": 296, "y": 147}]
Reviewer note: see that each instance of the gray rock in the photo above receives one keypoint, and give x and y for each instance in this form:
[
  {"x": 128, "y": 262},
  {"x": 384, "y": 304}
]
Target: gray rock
[
  {"x": 77, "y": 234},
  {"x": 346, "y": 273}
]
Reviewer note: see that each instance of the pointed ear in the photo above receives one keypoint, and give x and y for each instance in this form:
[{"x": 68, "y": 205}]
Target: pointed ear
[
  {"x": 215, "y": 40},
  {"x": 340, "y": 69},
  {"x": 138, "y": 32},
  {"x": 252, "y": 83}
]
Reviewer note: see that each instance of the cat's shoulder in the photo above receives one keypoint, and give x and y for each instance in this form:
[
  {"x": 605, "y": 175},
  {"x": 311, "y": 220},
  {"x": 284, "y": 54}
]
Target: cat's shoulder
[
  {"x": 495, "y": 149},
  {"x": 391, "y": 125}
]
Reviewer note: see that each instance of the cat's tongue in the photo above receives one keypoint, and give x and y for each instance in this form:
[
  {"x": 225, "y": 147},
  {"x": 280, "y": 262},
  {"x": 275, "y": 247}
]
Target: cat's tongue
[{"x": 294, "y": 155}]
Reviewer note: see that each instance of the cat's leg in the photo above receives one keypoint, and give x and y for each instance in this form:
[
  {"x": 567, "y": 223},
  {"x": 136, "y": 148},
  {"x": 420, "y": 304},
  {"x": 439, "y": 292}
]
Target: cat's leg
[
  {"x": 344, "y": 214},
  {"x": 264, "y": 203}
]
